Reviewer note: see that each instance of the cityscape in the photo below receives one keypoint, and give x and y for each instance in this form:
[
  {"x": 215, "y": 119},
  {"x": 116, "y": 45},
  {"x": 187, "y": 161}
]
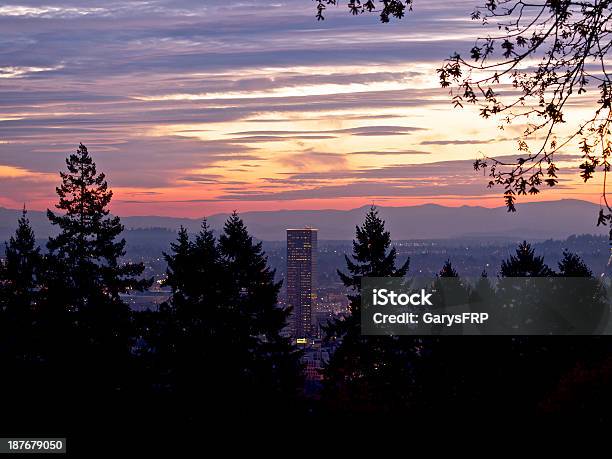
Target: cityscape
[{"x": 312, "y": 289}]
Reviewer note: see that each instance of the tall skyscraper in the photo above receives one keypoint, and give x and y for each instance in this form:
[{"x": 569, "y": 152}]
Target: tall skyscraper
[{"x": 301, "y": 272}]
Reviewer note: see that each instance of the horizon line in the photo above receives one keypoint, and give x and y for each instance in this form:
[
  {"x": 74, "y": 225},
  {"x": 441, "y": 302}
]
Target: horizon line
[{"x": 329, "y": 209}]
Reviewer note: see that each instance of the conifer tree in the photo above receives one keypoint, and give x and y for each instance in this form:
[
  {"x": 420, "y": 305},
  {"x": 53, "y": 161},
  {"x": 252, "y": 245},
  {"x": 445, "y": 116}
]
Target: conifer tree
[
  {"x": 580, "y": 298},
  {"x": 20, "y": 352},
  {"x": 525, "y": 307},
  {"x": 588, "y": 311},
  {"x": 447, "y": 361},
  {"x": 219, "y": 337},
  {"x": 450, "y": 296},
  {"x": 482, "y": 299},
  {"x": 268, "y": 362},
  {"x": 571, "y": 265},
  {"x": 19, "y": 284},
  {"x": 525, "y": 264},
  {"x": 528, "y": 306},
  {"x": 368, "y": 372},
  {"x": 448, "y": 270},
  {"x": 208, "y": 264},
  {"x": 88, "y": 326},
  {"x": 87, "y": 245},
  {"x": 175, "y": 314},
  {"x": 20, "y": 271},
  {"x": 180, "y": 270},
  {"x": 188, "y": 336}
]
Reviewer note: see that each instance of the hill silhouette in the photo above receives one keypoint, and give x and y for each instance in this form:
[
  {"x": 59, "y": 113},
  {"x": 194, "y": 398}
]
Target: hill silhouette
[{"x": 533, "y": 221}]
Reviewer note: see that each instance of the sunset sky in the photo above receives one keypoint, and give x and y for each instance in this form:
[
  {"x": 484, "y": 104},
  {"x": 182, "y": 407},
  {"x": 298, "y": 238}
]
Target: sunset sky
[{"x": 194, "y": 107}]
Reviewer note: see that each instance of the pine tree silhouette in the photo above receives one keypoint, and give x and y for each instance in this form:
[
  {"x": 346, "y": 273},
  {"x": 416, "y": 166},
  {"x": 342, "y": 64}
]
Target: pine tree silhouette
[
  {"x": 19, "y": 290},
  {"x": 274, "y": 371},
  {"x": 448, "y": 270},
  {"x": 368, "y": 373},
  {"x": 580, "y": 298},
  {"x": 571, "y": 265},
  {"x": 218, "y": 340},
  {"x": 532, "y": 305},
  {"x": 180, "y": 272},
  {"x": 450, "y": 296},
  {"x": 87, "y": 245},
  {"x": 525, "y": 264},
  {"x": 86, "y": 326},
  {"x": 20, "y": 271},
  {"x": 483, "y": 300},
  {"x": 185, "y": 337}
]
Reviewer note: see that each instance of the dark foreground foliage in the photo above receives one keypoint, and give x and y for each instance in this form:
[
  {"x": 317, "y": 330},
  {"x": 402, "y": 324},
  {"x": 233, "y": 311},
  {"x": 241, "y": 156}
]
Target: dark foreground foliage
[{"x": 77, "y": 360}]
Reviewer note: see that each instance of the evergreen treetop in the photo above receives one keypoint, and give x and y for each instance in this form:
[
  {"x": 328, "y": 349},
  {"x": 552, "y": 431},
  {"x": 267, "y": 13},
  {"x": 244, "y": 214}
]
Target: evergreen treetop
[
  {"x": 86, "y": 246},
  {"x": 525, "y": 264},
  {"x": 571, "y": 265},
  {"x": 224, "y": 311},
  {"x": 448, "y": 270},
  {"x": 365, "y": 371},
  {"x": 371, "y": 254},
  {"x": 20, "y": 271}
]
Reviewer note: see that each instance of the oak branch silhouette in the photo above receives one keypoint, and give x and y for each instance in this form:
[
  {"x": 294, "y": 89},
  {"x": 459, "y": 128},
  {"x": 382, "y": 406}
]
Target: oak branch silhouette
[{"x": 548, "y": 53}]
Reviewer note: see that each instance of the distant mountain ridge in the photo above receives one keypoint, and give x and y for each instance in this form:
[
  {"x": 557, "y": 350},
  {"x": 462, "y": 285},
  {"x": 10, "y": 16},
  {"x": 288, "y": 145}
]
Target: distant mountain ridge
[{"x": 533, "y": 221}]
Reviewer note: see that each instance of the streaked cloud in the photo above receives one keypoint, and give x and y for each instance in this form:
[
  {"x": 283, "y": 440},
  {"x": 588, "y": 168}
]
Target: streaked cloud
[
  {"x": 48, "y": 11},
  {"x": 390, "y": 152},
  {"x": 457, "y": 142},
  {"x": 15, "y": 72},
  {"x": 194, "y": 107}
]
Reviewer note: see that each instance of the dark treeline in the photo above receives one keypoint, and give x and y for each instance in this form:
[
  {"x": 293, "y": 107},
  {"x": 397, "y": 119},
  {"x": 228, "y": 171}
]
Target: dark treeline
[
  {"x": 75, "y": 356},
  {"x": 454, "y": 375}
]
